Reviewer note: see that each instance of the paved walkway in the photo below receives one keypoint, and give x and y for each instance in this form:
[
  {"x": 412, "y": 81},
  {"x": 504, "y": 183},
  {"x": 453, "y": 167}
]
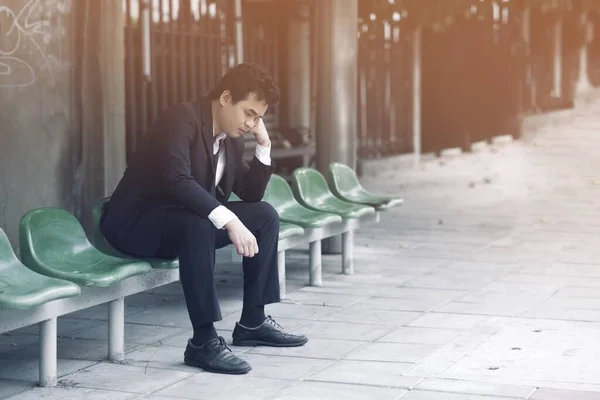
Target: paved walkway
[{"x": 485, "y": 285}]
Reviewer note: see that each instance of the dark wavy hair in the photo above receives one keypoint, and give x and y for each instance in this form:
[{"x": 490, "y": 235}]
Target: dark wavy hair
[{"x": 244, "y": 79}]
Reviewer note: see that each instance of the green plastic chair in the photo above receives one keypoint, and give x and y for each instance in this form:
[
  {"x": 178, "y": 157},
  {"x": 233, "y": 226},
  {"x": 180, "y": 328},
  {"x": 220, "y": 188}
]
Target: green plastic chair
[
  {"x": 285, "y": 229},
  {"x": 101, "y": 244},
  {"x": 311, "y": 190},
  {"x": 288, "y": 230},
  {"x": 280, "y": 196},
  {"x": 233, "y": 197},
  {"x": 53, "y": 243},
  {"x": 344, "y": 183},
  {"x": 22, "y": 288}
]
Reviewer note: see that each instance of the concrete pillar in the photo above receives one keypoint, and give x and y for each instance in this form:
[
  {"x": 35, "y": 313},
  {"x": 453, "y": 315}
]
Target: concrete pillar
[
  {"x": 103, "y": 101},
  {"x": 583, "y": 83},
  {"x": 299, "y": 73},
  {"x": 337, "y": 91},
  {"x": 112, "y": 69},
  {"x": 336, "y": 126}
]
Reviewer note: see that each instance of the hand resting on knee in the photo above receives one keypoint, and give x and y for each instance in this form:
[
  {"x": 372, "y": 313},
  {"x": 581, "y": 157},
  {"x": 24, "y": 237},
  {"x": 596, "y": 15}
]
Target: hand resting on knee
[{"x": 243, "y": 240}]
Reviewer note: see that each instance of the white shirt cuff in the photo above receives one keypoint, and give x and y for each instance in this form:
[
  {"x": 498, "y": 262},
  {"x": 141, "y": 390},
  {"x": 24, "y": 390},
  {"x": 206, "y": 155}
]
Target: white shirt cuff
[
  {"x": 263, "y": 154},
  {"x": 221, "y": 216}
]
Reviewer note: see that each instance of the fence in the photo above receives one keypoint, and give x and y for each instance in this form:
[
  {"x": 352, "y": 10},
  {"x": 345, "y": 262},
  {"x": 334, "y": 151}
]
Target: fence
[
  {"x": 191, "y": 45},
  {"x": 479, "y": 73},
  {"x": 384, "y": 85}
]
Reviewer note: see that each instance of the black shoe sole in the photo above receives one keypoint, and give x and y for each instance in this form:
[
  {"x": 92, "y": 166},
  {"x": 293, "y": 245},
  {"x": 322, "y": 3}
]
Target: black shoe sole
[
  {"x": 250, "y": 343},
  {"x": 194, "y": 363}
]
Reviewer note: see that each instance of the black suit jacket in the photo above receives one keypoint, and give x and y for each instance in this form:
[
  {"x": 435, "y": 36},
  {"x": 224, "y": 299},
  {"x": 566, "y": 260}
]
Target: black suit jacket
[{"x": 174, "y": 167}]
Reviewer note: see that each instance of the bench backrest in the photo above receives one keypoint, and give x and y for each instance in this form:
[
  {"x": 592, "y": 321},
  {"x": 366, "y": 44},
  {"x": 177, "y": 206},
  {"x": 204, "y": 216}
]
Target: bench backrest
[
  {"x": 309, "y": 186},
  {"x": 342, "y": 179},
  {"x": 279, "y": 194},
  {"x": 44, "y": 230},
  {"x": 97, "y": 236},
  {"x": 8, "y": 259}
]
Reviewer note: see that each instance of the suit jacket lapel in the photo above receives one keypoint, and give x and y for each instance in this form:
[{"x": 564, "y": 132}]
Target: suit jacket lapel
[
  {"x": 207, "y": 131},
  {"x": 229, "y": 172}
]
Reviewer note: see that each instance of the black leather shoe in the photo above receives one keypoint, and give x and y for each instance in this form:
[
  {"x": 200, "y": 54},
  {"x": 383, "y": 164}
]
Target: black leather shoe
[
  {"x": 269, "y": 333},
  {"x": 215, "y": 356}
]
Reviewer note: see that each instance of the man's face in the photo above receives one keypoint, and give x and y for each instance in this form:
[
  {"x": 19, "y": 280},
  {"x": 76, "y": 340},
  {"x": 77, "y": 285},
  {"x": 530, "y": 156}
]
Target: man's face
[{"x": 239, "y": 118}]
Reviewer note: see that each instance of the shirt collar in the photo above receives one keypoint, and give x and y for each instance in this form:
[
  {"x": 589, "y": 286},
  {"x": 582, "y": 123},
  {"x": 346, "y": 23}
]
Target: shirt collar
[{"x": 219, "y": 138}]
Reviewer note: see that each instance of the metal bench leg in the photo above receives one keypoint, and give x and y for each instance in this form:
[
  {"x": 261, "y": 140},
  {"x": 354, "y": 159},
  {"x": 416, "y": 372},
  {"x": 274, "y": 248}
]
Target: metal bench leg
[
  {"x": 314, "y": 273},
  {"x": 116, "y": 330},
  {"x": 48, "y": 362},
  {"x": 347, "y": 252},
  {"x": 281, "y": 269}
]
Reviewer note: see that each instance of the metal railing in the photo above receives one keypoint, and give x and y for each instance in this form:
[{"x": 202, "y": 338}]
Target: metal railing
[
  {"x": 384, "y": 88},
  {"x": 191, "y": 44}
]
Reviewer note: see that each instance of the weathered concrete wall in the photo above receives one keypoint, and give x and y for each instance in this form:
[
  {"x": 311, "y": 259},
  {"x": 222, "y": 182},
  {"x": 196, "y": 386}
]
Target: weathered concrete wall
[{"x": 37, "y": 116}]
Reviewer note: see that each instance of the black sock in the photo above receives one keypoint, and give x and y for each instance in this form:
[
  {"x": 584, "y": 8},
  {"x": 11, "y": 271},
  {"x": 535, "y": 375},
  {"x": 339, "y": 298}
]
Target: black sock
[
  {"x": 253, "y": 317},
  {"x": 203, "y": 333}
]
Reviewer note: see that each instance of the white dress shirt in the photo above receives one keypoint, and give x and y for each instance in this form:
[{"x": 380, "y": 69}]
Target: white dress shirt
[{"x": 221, "y": 215}]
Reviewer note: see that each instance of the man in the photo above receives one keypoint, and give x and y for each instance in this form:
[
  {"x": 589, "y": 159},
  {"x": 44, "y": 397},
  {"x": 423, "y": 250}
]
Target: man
[{"x": 172, "y": 202}]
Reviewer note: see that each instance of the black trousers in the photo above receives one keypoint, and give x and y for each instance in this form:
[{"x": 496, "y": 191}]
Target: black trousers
[{"x": 194, "y": 240}]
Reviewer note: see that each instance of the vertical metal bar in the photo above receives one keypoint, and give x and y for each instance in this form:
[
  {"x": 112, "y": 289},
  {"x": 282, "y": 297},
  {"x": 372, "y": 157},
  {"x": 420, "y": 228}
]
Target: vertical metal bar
[
  {"x": 193, "y": 71},
  {"x": 146, "y": 50},
  {"x": 315, "y": 274},
  {"x": 348, "y": 253},
  {"x": 130, "y": 82},
  {"x": 144, "y": 34},
  {"x": 173, "y": 54},
  {"x": 239, "y": 32},
  {"x": 202, "y": 59},
  {"x": 183, "y": 26},
  {"x": 116, "y": 330},
  {"x": 281, "y": 270},
  {"x": 210, "y": 51},
  {"x": 154, "y": 90},
  {"x": 47, "y": 361},
  {"x": 558, "y": 58},
  {"x": 363, "y": 115},
  {"x": 416, "y": 124},
  {"x": 164, "y": 53}
]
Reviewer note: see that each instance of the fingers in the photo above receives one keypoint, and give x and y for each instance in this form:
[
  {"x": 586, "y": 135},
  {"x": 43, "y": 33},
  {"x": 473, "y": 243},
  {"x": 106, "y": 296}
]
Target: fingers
[
  {"x": 247, "y": 246},
  {"x": 240, "y": 249}
]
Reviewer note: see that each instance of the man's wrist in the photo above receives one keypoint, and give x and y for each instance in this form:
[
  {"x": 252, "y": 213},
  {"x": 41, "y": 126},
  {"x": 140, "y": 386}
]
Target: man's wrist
[
  {"x": 227, "y": 225},
  {"x": 221, "y": 216}
]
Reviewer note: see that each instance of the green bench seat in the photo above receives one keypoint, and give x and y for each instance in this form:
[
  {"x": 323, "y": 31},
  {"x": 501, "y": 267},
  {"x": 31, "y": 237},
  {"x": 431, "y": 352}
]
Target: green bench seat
[
  {"x": 344, "y": 183},
  {"x": 288, "y": 230},
  {"x": 317, "y": 225},
  {"x": 53, "y": 243},
  {"x": 102, "y": 244},
  {"x": 312, "y": 191},
  {"x": 21, "y": 288},
  {"x": 280, "y": 196},
  {"x": 289, "y": 233}
]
